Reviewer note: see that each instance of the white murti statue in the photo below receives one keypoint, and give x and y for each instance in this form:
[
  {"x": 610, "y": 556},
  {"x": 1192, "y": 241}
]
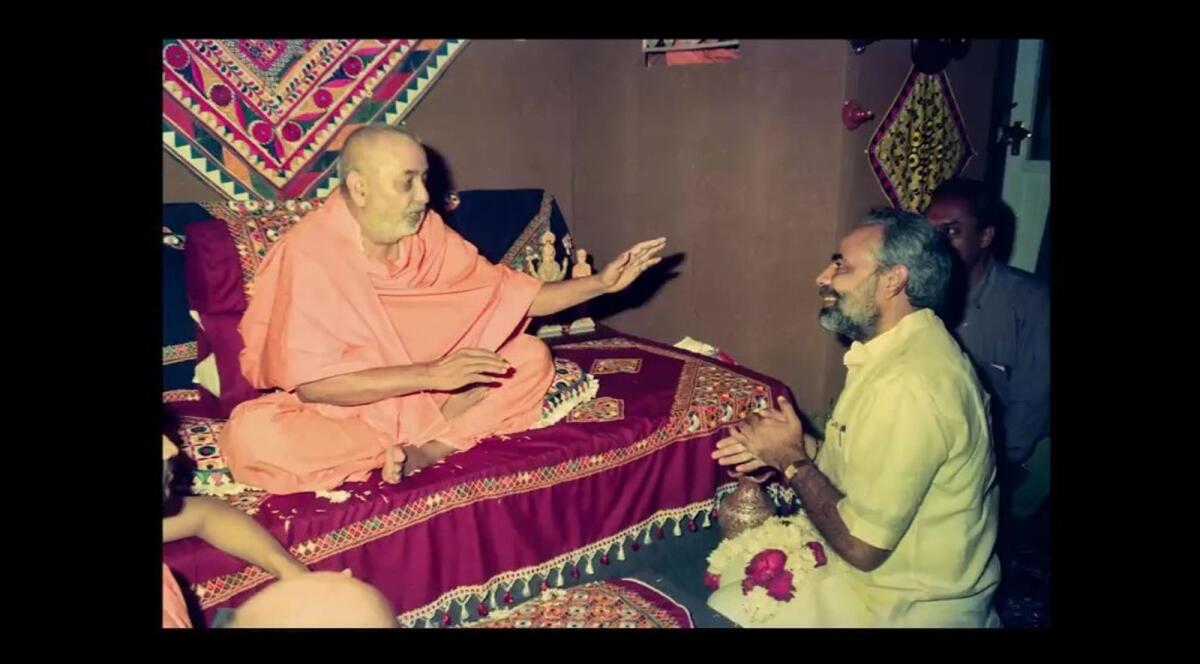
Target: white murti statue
[{"x": 548, "y": 268}]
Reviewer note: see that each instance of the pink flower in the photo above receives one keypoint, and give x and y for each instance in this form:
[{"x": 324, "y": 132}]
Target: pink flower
[
  {"x": 818, "y": 552},
  {"x": 781, "y": 587},
  {"x": 766, "y": 565},
  {"x": 713, "y": 581},
  {"x": 747, "y": 585}
]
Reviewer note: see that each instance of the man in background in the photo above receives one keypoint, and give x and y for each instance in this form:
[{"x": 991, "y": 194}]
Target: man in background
[{"x": 1005, "y": 329}]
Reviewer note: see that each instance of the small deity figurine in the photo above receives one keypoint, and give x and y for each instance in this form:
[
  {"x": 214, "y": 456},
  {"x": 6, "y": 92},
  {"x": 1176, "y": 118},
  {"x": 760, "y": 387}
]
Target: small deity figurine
[
  {"x": 581, "y": 267},
  {"x": 548, "y": 268}
]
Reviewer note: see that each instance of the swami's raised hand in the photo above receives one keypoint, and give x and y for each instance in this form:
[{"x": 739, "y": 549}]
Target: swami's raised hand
[{"x": 627, "y": 267}]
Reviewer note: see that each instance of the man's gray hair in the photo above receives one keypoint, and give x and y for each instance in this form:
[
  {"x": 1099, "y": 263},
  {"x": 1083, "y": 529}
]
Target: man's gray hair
[{"x": 910, "y": 240}]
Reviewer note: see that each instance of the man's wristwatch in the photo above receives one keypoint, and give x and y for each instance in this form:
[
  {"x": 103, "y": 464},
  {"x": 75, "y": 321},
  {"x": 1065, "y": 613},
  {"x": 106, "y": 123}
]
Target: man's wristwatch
[{"x": 794, "y": 467}]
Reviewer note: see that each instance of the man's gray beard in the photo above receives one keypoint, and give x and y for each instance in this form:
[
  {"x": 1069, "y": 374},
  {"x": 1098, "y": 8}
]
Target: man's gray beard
[{"x": 832, "y": 319}]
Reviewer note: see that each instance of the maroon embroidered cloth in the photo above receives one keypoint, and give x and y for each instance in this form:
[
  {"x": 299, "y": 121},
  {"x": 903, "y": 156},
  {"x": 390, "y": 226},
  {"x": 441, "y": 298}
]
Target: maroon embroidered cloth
[{"x": 518, "y": 510}]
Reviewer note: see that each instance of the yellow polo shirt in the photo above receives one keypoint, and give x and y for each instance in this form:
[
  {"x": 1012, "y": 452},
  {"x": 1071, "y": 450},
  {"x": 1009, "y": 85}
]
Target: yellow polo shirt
[{"x": 909, "y": 445}]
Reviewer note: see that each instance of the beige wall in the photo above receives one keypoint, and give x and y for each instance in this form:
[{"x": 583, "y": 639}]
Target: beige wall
[
  {"x": 501, "y": 118},
  {"x": 181, "y": 185},
  {"x": 734, "y": 164}
]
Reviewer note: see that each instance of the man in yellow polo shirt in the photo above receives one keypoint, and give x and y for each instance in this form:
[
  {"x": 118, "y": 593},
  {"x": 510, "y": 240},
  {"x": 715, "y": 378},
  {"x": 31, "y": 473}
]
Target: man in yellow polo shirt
[{"x": 903, "y": 485}]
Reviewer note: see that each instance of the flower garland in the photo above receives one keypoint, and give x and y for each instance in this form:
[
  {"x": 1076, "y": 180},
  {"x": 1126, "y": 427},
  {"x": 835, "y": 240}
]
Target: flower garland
[{"x": 778, "y": 554}]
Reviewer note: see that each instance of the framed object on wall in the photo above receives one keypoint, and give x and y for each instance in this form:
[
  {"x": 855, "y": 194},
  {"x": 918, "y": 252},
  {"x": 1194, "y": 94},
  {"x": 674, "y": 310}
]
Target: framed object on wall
[{"x": 673, "y": 52}]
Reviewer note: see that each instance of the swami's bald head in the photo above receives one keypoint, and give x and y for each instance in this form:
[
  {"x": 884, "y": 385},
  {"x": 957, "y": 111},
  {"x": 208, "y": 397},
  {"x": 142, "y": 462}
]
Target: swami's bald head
[
  {"x": 362, "y": 142},
  {"x": 383, "y": 172}
]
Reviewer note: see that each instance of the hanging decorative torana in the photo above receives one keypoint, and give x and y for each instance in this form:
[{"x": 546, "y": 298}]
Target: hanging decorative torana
[{"x": 921, "y": 142}]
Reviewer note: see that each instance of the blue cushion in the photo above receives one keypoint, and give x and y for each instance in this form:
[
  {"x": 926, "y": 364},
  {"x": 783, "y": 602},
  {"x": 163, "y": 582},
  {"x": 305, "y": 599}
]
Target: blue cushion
[
  {"x": 179, "y": 330},
  {"x": 502, "y": 222}
]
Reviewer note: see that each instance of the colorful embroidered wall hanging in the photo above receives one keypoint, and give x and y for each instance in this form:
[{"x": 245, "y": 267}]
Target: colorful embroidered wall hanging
[
  {"x": 264, "y": 119},
  {"x": 921, "y": 142}
]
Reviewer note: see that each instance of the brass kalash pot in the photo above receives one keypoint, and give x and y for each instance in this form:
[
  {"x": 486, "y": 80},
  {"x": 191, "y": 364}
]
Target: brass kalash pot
[{"x": 745, "y": 508}]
